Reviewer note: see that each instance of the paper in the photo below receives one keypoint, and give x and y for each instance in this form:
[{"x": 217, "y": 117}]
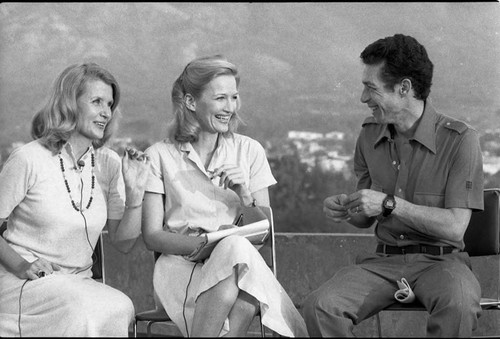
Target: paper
[
  {"x": 405, "y": 294},
  {"x": 255, "y": 232}
]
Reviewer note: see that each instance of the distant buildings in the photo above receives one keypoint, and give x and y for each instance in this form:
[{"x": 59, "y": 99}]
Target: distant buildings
[
  {"x": 324, "y": 150},
  {"x": 491, "y": 164},
  {"x": 328, "y": 152}
]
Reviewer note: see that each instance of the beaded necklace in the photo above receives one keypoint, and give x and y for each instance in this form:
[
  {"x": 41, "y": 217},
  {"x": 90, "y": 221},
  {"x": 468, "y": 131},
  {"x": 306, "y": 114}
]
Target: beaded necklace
[{"x": 61, "y": 162}]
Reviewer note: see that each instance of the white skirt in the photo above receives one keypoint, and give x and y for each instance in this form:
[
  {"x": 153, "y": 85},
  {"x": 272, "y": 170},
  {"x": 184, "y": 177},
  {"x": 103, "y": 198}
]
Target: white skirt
[
  {"x": 62, "y": 305},
  {"x": 172, "y": 274}
]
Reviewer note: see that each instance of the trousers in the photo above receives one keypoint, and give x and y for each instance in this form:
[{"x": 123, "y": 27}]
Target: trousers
[{"x": 445, "y": 284}]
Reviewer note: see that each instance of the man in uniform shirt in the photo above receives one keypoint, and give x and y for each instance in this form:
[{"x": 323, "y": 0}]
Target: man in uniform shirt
[{"x": 419, "y": 179}]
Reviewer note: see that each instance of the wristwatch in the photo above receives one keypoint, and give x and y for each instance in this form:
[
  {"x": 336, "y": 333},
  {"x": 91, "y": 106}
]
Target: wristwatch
[{"x": 388, "y": 205}]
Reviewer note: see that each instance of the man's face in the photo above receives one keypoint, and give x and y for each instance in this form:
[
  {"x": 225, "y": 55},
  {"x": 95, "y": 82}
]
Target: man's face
[{"x": 384, "y": 103}]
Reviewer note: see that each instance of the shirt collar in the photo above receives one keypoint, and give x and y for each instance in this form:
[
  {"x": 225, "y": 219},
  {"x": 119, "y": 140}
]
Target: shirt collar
[
  {"x": 426, "y": 129},
  {"x": 68, "y": 148},
  {"x": 385, "y": 133},
  {"x": 191, "y": 154},
  {"x": 425, "y": 133}
]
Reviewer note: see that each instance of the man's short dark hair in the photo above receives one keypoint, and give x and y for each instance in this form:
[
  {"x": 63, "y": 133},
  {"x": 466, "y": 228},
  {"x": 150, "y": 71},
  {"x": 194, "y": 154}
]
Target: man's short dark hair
[{"x": 403, "y": 57}]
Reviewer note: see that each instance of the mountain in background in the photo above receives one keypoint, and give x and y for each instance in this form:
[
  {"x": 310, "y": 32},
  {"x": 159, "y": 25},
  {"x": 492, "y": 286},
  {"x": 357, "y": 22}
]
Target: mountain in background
[{"x": 299, "y": 62}]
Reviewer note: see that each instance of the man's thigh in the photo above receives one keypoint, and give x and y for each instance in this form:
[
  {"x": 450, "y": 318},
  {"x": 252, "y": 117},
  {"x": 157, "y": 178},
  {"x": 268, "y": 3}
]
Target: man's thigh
[
  {"x": 448, "y": 277},
  {"x": 364, "y": 289}
]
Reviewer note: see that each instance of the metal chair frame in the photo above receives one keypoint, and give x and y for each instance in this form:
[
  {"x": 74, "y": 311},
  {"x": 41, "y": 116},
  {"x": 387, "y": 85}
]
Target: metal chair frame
[
  {"x": 483, "y": 225},
  {"x": 159, "y": 315},
  {"x": 98, "y": 269}
]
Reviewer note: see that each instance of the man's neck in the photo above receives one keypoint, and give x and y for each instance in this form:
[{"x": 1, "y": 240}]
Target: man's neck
[{"x": 410, "y": 119}]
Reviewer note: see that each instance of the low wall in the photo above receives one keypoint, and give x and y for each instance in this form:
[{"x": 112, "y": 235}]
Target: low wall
[{"x": 304, "y": 262}]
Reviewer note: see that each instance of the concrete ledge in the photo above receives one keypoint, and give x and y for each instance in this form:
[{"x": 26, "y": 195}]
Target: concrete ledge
[{"x": 304, "y": 262}]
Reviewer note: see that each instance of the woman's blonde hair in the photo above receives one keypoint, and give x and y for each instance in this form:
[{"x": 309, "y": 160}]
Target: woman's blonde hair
[
  {"x": 58, "y": 119},
  {"x": 193, "y": 80}
]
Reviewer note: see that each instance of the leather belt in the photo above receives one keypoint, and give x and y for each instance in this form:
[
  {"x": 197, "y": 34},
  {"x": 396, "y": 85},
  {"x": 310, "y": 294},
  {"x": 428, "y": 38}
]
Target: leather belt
[{"x": 425, "y": 249}]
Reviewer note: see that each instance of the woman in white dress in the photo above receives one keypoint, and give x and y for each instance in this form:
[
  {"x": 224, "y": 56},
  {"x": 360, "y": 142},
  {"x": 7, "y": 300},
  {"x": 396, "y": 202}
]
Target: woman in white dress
[
  {"x": 58, "y": 192},
  {"x": 201, "y": 175}
]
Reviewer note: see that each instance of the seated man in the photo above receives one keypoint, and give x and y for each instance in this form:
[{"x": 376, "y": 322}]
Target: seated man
[{"x": 419, "y": 178}]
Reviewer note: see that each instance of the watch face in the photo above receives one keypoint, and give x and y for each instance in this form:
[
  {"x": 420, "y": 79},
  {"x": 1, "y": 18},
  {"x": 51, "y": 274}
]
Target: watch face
[{"x": 389, "y": 203}]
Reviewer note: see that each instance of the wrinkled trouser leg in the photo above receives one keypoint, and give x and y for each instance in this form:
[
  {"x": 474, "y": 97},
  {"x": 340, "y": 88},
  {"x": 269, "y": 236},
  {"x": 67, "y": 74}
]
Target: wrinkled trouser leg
[
  {"x": 445, "y": 285},
  {"x": 451, "y": 294},
  {"x": 352, "y": 295}
]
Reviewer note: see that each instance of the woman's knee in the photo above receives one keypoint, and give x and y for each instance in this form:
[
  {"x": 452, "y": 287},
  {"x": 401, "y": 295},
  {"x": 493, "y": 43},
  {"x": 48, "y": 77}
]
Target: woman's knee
[
  {"x": 236, "y": 243},
  {"x": 226, "y": 291},
  {"x": 106, "y": 304}
]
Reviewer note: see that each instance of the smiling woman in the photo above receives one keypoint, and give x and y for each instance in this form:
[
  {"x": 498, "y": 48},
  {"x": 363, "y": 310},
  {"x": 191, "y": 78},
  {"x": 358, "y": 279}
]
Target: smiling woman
[
  {"x": 202, "y": 176},
  {"x": 59, "y": 192},
  {"x": 216, "y": 105},
  {"x": 95, "y": 110}
]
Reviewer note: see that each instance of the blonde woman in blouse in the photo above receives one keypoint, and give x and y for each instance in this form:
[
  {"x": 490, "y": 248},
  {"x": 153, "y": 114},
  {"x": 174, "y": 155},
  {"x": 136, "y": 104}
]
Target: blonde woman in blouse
[
  {"x": 58, "y": 193},
  {"x": 201, "y": 175}
]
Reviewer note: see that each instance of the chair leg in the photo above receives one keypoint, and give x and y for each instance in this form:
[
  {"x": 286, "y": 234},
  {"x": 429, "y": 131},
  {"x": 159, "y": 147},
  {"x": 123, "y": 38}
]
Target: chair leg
[
  {"x": 262, "y": 329},
  {"x": 379, "y": 325},
  {"x": 135, "y": 328},
  {"x": 148, "y": 328}
]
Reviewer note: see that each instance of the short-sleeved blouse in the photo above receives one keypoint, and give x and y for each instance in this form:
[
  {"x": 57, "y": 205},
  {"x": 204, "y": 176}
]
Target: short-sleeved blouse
[
  {"x": 193, "y": 201},
  {"x": 41, "y": 220}
]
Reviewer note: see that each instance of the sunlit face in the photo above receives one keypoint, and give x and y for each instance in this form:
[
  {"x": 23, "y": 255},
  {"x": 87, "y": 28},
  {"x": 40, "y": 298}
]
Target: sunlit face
[
  {"x": 384, "y": 103},
  {"x": 217, "y": 104},
  {"x": 94, "y": 108}
]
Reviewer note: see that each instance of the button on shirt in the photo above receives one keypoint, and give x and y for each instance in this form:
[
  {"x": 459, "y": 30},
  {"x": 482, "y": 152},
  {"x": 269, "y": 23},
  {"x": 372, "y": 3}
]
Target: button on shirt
[{"x": 440, "y": 166}]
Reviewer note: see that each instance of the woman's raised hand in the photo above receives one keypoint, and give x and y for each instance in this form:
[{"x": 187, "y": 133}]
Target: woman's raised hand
[{"x": 135, "y": 169}]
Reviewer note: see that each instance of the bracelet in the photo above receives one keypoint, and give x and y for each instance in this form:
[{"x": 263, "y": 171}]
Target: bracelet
[{"x": 132, "y": 207}]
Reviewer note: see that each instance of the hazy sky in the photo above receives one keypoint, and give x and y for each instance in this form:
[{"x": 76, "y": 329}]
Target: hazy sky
[{"x": 301, "y": 56}]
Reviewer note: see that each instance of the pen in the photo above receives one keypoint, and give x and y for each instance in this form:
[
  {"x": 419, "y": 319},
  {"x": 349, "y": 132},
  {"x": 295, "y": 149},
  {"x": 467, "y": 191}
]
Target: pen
[{"x": 239, "y": 220}]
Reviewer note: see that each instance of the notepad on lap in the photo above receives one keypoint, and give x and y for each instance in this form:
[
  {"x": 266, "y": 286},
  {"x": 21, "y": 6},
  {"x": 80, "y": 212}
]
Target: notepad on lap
[{"x": 255, "y": 232}]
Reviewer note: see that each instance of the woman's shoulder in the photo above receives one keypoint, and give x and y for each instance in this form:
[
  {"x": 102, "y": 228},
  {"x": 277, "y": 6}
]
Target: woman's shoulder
[
  {"x": 245, "y": 142},
  {"x": 32, "y": 150},
  {"x": 107, "y": 154},
  {"x": 108, "y": 159},
  {"x": 162, "y": 147}
]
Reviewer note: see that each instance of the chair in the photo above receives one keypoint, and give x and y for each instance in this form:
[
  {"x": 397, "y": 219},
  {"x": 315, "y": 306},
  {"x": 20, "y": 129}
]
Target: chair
[
  {"x": 158, "y": 314},
  {"x": 3, "y": 227},
  {"x": 98, "y": 269},
  {"x": 482, "y": 238}
]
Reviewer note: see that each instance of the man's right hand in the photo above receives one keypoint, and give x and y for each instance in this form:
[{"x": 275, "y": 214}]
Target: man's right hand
[{"x": 334, "y": 207}]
